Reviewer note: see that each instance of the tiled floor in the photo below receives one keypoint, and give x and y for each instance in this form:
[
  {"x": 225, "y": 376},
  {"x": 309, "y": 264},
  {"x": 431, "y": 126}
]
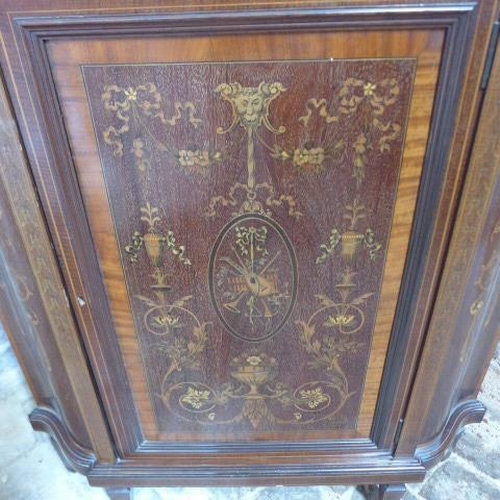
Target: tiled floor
[{"x": 30, "y": 469}]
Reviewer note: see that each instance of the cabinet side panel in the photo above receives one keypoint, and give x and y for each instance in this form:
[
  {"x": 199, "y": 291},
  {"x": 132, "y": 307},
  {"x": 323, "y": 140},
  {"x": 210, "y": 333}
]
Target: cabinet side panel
[
  {"x": 463, "y": 331},
  {"x": 476, "y": 326},
  {"x": 17, "y": 305},
  {"x": 36, "y": 311}
]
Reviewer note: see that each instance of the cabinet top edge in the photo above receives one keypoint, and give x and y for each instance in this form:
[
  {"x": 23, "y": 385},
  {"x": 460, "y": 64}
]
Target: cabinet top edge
[{"x": 67, "y": 8}]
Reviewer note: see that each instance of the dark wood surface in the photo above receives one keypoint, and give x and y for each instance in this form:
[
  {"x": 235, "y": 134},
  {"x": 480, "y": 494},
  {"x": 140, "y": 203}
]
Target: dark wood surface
[
  {"x": 87, "y": 163},
  {"x": 224, "y": 237},
  {"x": 93, "y": 178}
]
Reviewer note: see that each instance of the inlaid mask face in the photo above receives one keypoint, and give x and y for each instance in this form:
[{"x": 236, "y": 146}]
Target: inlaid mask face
[{"x": 249, "y": 105}]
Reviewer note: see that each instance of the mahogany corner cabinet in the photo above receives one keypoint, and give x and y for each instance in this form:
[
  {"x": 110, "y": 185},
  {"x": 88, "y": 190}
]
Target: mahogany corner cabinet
[{"x": 251, "y": 243}]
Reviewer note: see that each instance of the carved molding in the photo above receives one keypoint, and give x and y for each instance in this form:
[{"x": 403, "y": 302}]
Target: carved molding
[
  {"x": 358, "y": 471},
  {"x": 75, "y": 457},
  {"x": 467, "y": 412}
]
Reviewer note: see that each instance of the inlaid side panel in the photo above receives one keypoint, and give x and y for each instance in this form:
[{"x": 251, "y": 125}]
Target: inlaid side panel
[
  {"x": 34, "y": 308},
  {"x": 256, "y": 214}
]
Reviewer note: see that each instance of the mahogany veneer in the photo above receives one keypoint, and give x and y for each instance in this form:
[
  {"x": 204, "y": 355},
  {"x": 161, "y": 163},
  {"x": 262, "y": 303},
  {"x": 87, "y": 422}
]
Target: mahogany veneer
[{"x": 250, "y": 243}]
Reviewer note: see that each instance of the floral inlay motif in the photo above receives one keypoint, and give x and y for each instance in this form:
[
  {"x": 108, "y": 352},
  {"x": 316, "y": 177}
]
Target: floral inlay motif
[
  {"x": 309, "y": 158},
  {"x": 132, "y": 108},
  {"x": 195, "y": 398},
  {"x": 261, "y": 397},
  {"x": 313, "y": 397},
  {"x": 370, "y": 100}
]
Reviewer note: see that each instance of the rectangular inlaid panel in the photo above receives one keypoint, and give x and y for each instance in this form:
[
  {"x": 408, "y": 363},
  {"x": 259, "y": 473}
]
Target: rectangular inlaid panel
[
  {"x": 252, "y": 205},
  {"x": 251, "y": 215}
]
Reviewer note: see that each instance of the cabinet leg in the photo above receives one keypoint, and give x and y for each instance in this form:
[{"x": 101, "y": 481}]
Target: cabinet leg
[
  {"x": 391, "y": 491},
  {"x": 119, "y": 493},
  {"x": 383, "y": 491}
]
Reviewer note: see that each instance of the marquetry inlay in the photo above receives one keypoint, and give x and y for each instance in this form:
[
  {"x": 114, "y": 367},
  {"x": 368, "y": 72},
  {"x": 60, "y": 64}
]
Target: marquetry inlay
[{"x": 252, "y": 205}]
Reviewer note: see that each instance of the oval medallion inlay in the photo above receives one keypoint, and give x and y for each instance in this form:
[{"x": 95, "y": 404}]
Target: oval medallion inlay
[{"x": 253, "y": 277}]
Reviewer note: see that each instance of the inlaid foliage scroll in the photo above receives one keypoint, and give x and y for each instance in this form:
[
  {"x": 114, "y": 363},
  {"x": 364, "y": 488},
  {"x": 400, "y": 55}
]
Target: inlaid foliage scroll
[{"x": 252, "y": 205}]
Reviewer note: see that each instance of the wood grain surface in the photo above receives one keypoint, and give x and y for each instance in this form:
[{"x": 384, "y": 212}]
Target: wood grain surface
[
  {"x": 66, "y": 59},
  {"x": 413, "y": 378}
]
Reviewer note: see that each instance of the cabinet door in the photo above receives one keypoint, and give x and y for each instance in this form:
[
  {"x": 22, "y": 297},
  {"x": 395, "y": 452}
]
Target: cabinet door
[{"x": 235, "y": 208}]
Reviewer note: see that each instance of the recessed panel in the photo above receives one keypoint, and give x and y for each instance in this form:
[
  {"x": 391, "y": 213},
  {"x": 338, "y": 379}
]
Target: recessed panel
[{"x": 252, "y": 205}]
